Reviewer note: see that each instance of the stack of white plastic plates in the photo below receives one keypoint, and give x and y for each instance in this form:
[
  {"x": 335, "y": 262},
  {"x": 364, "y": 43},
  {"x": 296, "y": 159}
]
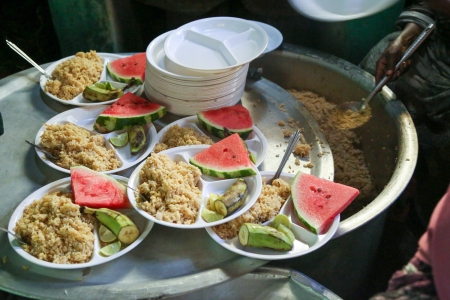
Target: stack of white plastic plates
[{"x": 202, "y": 65}]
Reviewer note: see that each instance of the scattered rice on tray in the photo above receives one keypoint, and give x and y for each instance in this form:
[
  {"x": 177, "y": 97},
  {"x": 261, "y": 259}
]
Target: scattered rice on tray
[
  {"x": 177, "y": 136},
  {"x": 171, "y": 188},
  {"x": 349, "y": 165},
  {"x": 56, "y": 229}
]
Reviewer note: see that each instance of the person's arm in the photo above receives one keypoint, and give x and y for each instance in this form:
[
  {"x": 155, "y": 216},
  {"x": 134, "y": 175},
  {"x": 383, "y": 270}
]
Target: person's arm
[
  {"x": 434, "y": 246},
  {"x": 412, "y": 21},
  {"x": 394, "y": 52}
]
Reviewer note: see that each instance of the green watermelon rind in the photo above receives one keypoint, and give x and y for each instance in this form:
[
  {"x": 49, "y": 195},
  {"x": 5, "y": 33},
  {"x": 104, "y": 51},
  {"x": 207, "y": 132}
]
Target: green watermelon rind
[
  {"x": 108, "y": 123},
  {"x": 219, "y": 131},
  {"x": 225, "y": 174},
  {"x": 124, "y": 79},
  {"x": 309, "y": 226}
]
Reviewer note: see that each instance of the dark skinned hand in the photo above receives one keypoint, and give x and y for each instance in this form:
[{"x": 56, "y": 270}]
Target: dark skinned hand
[{"x": 394, "y": 52}]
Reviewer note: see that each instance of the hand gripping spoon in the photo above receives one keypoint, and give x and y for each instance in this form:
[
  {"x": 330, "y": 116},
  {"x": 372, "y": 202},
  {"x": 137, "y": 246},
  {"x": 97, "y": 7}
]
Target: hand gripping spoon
[{"x": 358, "y": 106}]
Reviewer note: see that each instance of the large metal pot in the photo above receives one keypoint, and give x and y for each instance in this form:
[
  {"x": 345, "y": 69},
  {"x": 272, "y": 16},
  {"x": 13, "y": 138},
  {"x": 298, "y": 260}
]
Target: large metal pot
[{"x": 389, "y": 143}]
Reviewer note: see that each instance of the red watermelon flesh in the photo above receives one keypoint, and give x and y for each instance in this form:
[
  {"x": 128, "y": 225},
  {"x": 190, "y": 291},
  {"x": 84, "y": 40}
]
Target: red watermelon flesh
[
  {"x": 318, "y": 201},
  {"x": 227, "y": 158},
  {"x": 236, "y": 119},
  {"x": 127, "y": 111},
  {"x": 123, "y": 69},
  {"x": 96, "y": 190}
]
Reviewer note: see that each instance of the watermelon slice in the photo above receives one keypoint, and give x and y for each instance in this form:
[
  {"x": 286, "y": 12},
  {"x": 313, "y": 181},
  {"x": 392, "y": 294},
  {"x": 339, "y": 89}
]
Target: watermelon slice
[
  {"x": 127, "y": 111},
  {"x": 227, "y": 158},
  {"x": 123, "y": 69},
  {"x": 96, "y": 190},
  {"x": 235, "y": 118},
  {"x": 318, "y": 201}
]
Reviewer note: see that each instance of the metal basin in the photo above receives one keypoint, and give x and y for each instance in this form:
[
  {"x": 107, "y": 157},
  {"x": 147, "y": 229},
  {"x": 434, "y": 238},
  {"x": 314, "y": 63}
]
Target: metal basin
[{"x": 389, "y": 143}]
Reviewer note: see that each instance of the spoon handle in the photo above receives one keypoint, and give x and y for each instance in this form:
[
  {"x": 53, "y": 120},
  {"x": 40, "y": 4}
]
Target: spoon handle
[
  {"x": 290, "y": 147},
  {"x": 14, "y": 235},
  {"x": 27, "y": 58},
  {"x": 46, "y": 153},
  {"x": 411, "y": 49}
]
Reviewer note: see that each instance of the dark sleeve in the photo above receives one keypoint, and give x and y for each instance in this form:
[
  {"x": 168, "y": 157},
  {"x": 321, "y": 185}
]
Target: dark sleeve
[{"x": 419, "y": 13}]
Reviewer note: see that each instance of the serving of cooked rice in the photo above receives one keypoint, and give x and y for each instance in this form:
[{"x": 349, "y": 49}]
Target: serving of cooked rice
[
  {"x": 171, "y": 188},
  {"x": 177, "y": 136},
  {"x": 56, "y": 230},
  {"x": 73, "y": 145},
  {"x": 72, "y": 76}
]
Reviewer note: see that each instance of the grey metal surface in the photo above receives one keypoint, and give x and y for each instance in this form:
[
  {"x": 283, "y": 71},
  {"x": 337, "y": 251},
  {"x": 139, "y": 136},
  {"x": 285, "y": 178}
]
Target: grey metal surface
[
  {"x": 169, "y": 261},
  {"x": 266, "y": 283}
]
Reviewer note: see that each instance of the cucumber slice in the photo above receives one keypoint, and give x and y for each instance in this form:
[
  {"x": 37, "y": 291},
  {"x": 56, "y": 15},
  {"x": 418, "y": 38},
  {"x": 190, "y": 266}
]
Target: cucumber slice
[
  {"x": 287, "y": 232},
  {"x": 281, "y": 219}
]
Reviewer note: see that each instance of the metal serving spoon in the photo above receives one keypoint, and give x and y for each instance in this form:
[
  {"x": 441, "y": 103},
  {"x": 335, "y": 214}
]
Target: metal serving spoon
[
  {"x": 18, "y": 238},
  {"x": 360, "y": 105},
  {"x": 290, "y": 147},
  {"x": 28, "y": 59},
  {"x": 47, "y": 154}
]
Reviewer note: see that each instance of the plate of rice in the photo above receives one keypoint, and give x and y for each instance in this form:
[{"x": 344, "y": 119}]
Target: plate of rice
[
  {"x": 59, "y": 236},
  {"x": 273, "y": 200},
  {"x": 72, "y": 74},
  {"x": 69, "y": 137},
  {"x": 174, "y": 193},
  {"x": 188, "y": 131}
]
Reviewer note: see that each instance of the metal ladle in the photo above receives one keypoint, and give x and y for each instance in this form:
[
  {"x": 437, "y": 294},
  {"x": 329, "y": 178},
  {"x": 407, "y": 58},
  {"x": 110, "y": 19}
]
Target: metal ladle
[{"x": 361, "y": 105}]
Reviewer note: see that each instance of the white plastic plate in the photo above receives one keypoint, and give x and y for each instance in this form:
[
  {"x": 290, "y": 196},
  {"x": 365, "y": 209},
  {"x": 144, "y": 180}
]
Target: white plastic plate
[
  {"x": 336, "y": 11},
  {"x": 161, "y": 66},
  {"x": 215, "y": 44},
  {"x": 144, "y": 225},
  {"x": 85, "y": 117},
  {"x": 275, "y": 36},
  {"x": 305, "y": 242},
  {"x": 79, "y": 100},
  {"x": 256, "y": 141},
  {"x": 207, "y": 185}
]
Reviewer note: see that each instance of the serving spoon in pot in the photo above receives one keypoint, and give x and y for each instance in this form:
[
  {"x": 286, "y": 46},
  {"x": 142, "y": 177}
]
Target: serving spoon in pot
[{"x": 348, "y": 115}]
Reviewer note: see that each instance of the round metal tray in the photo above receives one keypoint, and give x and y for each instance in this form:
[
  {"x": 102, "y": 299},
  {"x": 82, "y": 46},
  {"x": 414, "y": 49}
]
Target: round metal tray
[{"x": 169, "y": 261}]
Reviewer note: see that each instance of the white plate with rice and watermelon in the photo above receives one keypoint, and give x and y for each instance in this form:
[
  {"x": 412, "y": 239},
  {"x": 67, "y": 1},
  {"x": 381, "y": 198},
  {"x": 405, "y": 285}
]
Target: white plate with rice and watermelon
[
  {"x": 208, "y": 169},
  {"x": 117, "y": 70},
  {"x": 51, "y": 243},
  {"x": 253, "y": 137},
  {"x": 109, "y": 121},
  {"x": 256, "y": 141},
  {"x": 310, "y": 199}
]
